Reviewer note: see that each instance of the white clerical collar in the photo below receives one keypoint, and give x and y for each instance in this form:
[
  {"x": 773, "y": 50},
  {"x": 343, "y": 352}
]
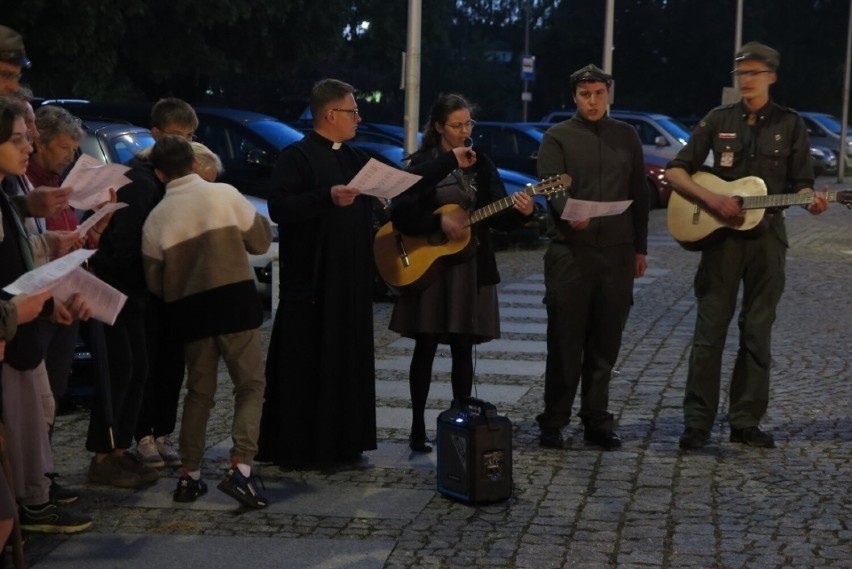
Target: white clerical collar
[{"x": 336, "y": 145}]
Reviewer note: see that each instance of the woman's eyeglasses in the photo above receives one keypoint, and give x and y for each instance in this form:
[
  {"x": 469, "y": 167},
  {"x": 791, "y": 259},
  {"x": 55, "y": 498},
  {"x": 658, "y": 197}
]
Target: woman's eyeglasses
[{"x": 460, "y": 125}]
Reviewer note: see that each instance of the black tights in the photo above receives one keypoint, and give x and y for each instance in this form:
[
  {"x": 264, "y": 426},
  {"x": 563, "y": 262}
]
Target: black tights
[{"x": 420, "y": 377}]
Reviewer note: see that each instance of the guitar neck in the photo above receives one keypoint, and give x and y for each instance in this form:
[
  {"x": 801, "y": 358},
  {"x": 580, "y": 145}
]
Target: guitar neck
[
  {"x": 781, "y": 200},
  {"x": 494, "y": 208}
]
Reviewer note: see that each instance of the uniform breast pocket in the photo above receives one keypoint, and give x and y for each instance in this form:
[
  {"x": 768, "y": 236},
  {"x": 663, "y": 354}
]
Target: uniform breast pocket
[
  {"x": 726, "y": 153},
  {"x": 773, "y": 157}
]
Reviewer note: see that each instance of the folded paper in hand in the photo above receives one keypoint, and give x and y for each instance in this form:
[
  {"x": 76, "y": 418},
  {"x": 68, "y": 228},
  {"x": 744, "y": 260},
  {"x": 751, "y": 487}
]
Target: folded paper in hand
[{"x": 64, "y": 277}]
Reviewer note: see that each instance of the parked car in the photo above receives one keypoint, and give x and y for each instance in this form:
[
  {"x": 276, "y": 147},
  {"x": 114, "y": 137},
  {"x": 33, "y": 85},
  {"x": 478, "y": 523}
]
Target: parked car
[
  {"x": 824, "y": 130},
  {"x": 660, "y": 188},
  {"x": 824, "y": 160},
  {"x": 112, "y": 142},
  {"x": 513, "y": 146}
]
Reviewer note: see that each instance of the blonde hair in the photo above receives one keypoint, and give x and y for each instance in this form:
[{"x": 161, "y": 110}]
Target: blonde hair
[{"x": 208, "y": 161}]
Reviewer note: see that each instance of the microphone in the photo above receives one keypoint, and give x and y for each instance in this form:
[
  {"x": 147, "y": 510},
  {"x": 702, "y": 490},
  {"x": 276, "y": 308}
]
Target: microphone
[{"x": 468, "y": 142}]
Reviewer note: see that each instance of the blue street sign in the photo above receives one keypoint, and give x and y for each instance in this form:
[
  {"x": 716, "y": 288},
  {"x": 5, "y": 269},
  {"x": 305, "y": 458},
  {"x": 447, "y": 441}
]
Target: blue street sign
[{"x": 528, "y": 67}]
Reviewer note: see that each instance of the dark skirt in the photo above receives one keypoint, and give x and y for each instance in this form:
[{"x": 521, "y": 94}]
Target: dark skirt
[{"x": 451, "y": 306}]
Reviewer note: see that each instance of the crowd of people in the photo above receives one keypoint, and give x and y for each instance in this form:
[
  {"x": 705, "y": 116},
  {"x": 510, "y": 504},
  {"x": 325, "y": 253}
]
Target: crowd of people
[{"x": 178, "y": 252}]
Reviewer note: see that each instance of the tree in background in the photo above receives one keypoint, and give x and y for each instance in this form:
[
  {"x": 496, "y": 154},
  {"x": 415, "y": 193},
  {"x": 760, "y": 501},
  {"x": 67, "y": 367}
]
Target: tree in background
[{"x": 671, "y": 56}]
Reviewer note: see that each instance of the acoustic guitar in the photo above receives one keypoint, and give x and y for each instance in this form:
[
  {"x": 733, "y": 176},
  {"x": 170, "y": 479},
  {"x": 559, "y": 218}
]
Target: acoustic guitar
[
  {"x": 695, "y": 227},
  {"x": 409, "y": 262}
]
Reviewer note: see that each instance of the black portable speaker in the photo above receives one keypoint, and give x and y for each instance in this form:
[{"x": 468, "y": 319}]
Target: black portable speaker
[{"x": 474, "y": 448}]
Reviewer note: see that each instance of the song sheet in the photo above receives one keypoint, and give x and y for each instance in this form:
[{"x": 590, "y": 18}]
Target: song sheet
[
  {"x": 382, "y": 181},
  {"x": 64, "y": 277},
  {"x": 576, "y": 210},
  {"x": 99, "y": 214},
  {"x": 92, "y": 179}
]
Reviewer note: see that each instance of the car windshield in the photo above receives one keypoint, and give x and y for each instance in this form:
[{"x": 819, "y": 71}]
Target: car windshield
[
  {"x": 674, "y": 128},
  {"x": 126, "y": 146},
  {"x": 276, "y": 133}
]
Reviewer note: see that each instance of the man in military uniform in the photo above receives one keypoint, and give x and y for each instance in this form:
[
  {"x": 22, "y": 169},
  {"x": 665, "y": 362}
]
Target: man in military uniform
[
  {"x": 590, "y": 264},
  {"x": 754, "y": 137}
]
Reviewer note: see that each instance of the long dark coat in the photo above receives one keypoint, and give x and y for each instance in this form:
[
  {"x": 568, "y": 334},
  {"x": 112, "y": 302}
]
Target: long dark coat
[{"x": 320, "y": 403}]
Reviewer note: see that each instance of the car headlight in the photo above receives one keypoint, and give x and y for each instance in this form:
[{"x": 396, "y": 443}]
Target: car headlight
[{"x": 817, "y": 152}]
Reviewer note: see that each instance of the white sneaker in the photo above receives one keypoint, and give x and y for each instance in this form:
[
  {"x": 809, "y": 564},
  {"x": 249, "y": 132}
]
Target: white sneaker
[
  {"x": 171, "y": 457},
  {"x": 146, "y": 450}
]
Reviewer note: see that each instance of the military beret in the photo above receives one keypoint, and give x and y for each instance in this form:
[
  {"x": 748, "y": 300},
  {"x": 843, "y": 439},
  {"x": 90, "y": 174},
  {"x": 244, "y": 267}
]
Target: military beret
[
  {"x": 760, "y": 52},
  {"x": 591, "y": 73},
  {"x": 12, "y": 48}
]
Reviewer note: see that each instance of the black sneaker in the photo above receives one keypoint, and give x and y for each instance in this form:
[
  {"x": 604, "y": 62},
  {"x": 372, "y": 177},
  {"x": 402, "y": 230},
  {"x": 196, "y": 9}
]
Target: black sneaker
[
  {"x": 693, "y": 438},
  {"x": 52, "y": 518},
  {"x": 607, "y": 440},
  {"x": 189, "y": 489},
  {"x": 243, "y": 489},
  {"x": 551, "y": 437},
  {"x": 753, "y": 437},
  {"x": 60, "y": 494}
]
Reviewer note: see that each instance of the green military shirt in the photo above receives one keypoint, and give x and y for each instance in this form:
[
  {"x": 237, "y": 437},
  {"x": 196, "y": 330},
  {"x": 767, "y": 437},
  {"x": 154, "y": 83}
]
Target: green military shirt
[{"x": 775, "y": 149}]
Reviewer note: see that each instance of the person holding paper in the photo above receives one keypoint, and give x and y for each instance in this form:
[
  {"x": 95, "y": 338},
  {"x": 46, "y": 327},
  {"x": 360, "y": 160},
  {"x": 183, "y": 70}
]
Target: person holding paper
[
  {"x": 56, "y": 147},
  {"x": 59, "y": 138},
  {"x": 140, "y": 345},
  {"x": 320, "y": 403},
  {"x": 23, "y": 371},
  {"x": 459, "y": 307},
  {"x": 590, "y": 264}
]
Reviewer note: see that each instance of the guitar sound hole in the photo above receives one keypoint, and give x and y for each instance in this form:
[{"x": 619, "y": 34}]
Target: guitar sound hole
[{"x": 436, "y": 238}]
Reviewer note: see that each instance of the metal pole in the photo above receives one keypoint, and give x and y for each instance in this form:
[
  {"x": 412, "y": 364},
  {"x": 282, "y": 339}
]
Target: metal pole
[
  {"x": 411, "y": 118},
  {"x": 844, "y": 119},
  {"x": 527, "y": 49},
  {"x": 608, "y": 35},
  {"x": 738, "y": 40}
]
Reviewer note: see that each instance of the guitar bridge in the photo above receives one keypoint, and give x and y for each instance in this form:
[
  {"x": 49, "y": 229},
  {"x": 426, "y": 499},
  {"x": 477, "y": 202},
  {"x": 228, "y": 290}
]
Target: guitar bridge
[{"x": 696, "y": 213}]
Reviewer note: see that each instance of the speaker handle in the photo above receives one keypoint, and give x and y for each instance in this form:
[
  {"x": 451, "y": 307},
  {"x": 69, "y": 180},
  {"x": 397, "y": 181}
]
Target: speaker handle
[{"x": 465, "y": 403}]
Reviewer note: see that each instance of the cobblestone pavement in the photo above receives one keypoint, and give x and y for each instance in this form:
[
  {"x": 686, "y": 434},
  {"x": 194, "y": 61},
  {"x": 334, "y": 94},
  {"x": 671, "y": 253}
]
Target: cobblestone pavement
[{"x": 645, "y": 505}]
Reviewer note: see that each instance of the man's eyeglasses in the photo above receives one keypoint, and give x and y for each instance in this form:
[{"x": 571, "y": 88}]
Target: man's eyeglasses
[
  {"x": 460, "y": 125},
  {"x": 10, "y": 75},
  {"x": 354, "y": 111},
  {"x": 750, "y": 73}
]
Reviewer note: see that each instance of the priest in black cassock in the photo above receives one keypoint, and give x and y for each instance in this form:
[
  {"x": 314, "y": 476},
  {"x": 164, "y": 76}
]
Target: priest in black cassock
[{"x": 320, "y": 405}]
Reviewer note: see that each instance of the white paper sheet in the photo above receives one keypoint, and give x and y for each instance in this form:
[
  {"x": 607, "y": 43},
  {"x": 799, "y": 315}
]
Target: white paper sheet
[
  {"x": 105, "y": 301},
  {"x": 92, "y": 179},
  {"x": 383, "y": 181},
  {"x": 84, "y": 227},
  {"x": 64, "y": 277},
  {"x": 576, "y": 210}
]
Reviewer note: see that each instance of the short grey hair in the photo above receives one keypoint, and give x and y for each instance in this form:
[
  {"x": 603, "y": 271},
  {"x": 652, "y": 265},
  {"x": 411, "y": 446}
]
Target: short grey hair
[{"x": 51, "y": 121}]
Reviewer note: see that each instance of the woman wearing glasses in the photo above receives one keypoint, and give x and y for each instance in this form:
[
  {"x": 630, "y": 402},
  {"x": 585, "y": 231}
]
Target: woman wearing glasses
[{"x": 458, "y": 307}]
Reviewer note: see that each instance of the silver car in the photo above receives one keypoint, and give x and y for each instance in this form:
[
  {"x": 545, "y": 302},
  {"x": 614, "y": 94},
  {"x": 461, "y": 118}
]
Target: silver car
[{"x": 824, "y": 130}]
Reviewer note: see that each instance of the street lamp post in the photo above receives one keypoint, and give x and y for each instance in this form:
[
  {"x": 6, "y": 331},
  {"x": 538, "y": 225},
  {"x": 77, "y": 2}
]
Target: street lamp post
[{"x": 412, "y": 76}]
